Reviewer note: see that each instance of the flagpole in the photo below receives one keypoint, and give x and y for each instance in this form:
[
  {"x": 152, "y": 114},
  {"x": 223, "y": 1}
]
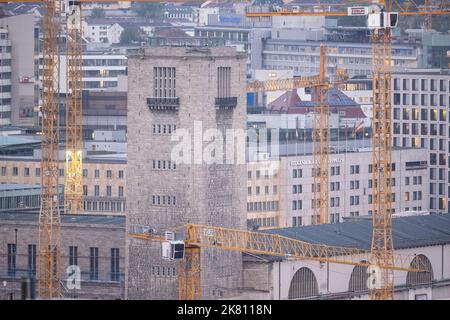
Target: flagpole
[
  {"x": 296, "y": 136},
  {"x": 346, "y": 137},
  {"x": 338, "y": 134},
  {"x": 304, "y": 137},
  {"x": 364, "y": 126}
]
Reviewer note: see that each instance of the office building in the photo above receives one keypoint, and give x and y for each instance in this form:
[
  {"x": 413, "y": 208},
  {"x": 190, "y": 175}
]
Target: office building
[
  {"x": 280, "y": 192},
  {"x": 420, "y": 120}
]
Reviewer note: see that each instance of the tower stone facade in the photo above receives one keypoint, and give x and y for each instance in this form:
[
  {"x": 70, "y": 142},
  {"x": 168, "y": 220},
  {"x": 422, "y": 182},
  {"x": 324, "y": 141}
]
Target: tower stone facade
[{"x": 190, "y": 91}]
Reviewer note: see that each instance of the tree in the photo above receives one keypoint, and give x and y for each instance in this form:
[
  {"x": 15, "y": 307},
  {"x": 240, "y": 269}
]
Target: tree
[
  {"x": 149, "y": 10},
  {"x": 132, "y": 35},
  {"x": 98, "y": 13}
]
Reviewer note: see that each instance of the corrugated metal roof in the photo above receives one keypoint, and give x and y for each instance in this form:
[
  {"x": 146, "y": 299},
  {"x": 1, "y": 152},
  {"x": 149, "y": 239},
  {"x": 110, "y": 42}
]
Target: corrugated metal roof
[{"x": 408, "y": 232}]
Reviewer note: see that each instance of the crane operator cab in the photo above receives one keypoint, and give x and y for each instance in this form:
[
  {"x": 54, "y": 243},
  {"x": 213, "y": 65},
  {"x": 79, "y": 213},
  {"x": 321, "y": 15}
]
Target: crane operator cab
[{"x": 378, "y": 18}]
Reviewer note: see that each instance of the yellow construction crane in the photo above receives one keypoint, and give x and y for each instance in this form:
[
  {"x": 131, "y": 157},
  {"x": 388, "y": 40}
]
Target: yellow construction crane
[
  {"x": 49, "y": 243},
  {"x": 380, "y": 20},
  {"x": 73, "y": 185},
  {"x": 195, "y": 237},
  {"x": 321, "y": 129}
]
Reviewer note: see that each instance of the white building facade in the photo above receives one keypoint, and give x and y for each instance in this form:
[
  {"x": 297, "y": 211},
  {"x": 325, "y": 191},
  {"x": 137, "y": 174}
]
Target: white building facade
[
  {"x": 106, "y": 32},
  {"x": 350, "y": 190},
  {"x": 351, "y": 184}
]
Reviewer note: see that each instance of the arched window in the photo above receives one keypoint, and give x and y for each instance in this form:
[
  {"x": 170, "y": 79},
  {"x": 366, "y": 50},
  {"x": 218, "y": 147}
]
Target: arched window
[
  {"x": 414, "y": 278},
  {"x": 303, "y": 284},
  {"x": 358, "y": 279}
]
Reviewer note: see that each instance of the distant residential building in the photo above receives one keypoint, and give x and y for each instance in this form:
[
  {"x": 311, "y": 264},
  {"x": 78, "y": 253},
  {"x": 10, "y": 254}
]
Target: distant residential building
[
  {"x": 108, "y": 30},
  {"x": 111, "y": 5},
  {"x": 179, "y": 12},
  {"x": 203, "y": 14},
  {"x": 102, "y": 30}
]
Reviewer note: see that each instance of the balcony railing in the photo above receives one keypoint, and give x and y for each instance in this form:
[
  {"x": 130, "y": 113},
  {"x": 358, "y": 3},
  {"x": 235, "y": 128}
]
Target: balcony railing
[
  {"x": 226, "y": 103},
  {"x": 163, "y": 103}
]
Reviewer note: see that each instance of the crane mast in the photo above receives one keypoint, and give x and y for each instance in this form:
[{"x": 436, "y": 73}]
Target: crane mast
[
  {"x": 49, "y": 233},
  {"x": 73, "y": 186},
  {"x": 382, "y": 243},
  {"x": 321, "y": 145}
]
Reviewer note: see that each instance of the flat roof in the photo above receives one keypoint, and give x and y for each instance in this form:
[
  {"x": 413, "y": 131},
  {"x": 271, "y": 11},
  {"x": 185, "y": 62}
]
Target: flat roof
[
  {"x": 433, "y": 72},
  {"x": 18, "y": 139},
  {"x": 332, "y": 43},
  {"x": 32, "y": 217},
  {"x": 120, "y": 159},
  {"x": 18, "y": 186},
  {"x": 408, "y": 232}
]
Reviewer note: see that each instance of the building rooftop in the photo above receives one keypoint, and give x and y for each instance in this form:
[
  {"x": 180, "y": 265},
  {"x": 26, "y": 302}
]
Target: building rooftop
[
  {"x": 91, "y": 157},
  {"x": 18, "y": 139},
  {"x": 444, "y": 72},
  {"x": 189, "y": 52},
  {"x": 18, "y": 186},
  {"x": 408, "y": 232},
  {"x": 346, "y": 44},
  {"x": 291, "y": 103},
  {"x": 88, "y": 219}
]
